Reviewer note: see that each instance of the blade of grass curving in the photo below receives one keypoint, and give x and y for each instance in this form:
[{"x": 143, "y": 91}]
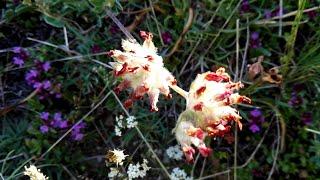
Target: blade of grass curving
[{"x": 285, "y": 61}]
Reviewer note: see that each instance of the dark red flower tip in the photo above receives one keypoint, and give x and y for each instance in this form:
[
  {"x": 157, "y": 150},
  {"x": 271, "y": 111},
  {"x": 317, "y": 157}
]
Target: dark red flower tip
[
  {"x": 224, "y": 96},
  {"x": 128, "y": 103},
  {"x": 244, "y": 99},
  {"x": 200, "y": 90},
  {"x": 110, "y": 53},
  {"x": 215, "y": 77},
  {"x": 174, "y": 82},
  {"x": 196, "y": 132},
  {"x": 146, "y": 35},
  {"x": 132, "y": 69},
  {"x": 204, "y": 151},
  {"x": 188, "y": 152},
  {"x": 198, "y": 107},
  {"x": 146, "y": 67},
  {"x": 149, "y": 57},
  {"x": 122, "y": 70}
]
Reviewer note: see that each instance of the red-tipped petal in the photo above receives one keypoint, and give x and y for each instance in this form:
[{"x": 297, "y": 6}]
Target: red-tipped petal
[
  {"x": 146, "y": 35},
  {"x": 204, "y": 151},
  {"x": 110, "y": 53},
  {"x": 139, "y": 92},
  {"x": 150, "y": 58},
  {"x": 200, "y": 91},
  {"x": 128, "y": 103},
  {"x": 188, "y": 152},
  {"x": 122, "y": 70},
  {"x": 215, "y": 77},
  {"x": 123, "y": 85},
  {"x": 198, "y": 107},
  {"x": 196, "y": 132},
  {"x": 244, "y": 99}
]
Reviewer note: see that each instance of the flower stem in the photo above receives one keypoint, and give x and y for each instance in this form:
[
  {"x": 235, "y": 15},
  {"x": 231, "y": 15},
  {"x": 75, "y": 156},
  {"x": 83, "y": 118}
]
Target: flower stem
[{"x": 179, "y": 90}]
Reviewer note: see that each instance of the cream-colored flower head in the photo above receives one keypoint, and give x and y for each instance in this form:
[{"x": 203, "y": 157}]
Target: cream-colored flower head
[
  {"x": 208, "y": 110},
  {"x": 142, "y": 69},
  {"x": 34, "y": 173},
  {"x": 115, "y": 156}
]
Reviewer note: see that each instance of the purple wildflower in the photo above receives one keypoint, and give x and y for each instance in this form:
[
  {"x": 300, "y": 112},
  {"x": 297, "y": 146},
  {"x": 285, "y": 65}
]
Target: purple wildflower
[
  {"x": 44, "y": 115},
  {"x": 31, "y": 76},
  {"x": 255, "y": 113},
  {"x": 37, "y": 85},
  {"x": 245, "y": 6},
  {"x": 167, "y": 37},
  {"x": 76, "y": 133},
  {"x": 256, "y": 119},
  {"x": 57, "y": 116},
  {"x": 267, "y": 14},
  {"x": 17, "y": 50},
  {"x": 307, "y": 118},
  {"x": 18, "y": 61},
  {"x": 44, "y": 129},
  {"x": 295, "y": 100},
  {"x": 46, "y": 66},
  {"x": 46, "y": 84},
  {"x": 254, "y": 36},
  {"x": 254, "y": 128},
  {"x": 58, "y": 95},
  {"x": 255, "y": 40},
  {"x": 63, "y": 124}
]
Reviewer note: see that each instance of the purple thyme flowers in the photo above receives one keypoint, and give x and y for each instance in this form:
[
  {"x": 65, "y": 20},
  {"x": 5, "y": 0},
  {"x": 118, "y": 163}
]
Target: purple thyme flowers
[
  {"x": 20, "y": 56},
  {"x": 256, "y": 119},
  {"x": 76, "y": 133},
  {"x": 245, "y": 6},
  {"x": 45, "y": 87},
  {"x": 255, "y": 40},
  {"x": 296, "y": 100},
  {"x": 56, "y": 121},
  {"x": 52, "y": 121}
]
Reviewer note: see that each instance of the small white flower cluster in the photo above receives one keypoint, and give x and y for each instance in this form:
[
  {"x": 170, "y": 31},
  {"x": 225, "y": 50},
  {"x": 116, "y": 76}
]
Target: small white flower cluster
[
  {"x": 137, "y": 170},
  {"x": 130, "y": 121},
  {"x": 34, "y": 173},
  {"x": 179, "y": 174},
  {"x": 116, "y": 156},
  {"x": 114, "y": 173},
  {"x": 119, "y": 125},
  {"x": 174, "y": 152}
]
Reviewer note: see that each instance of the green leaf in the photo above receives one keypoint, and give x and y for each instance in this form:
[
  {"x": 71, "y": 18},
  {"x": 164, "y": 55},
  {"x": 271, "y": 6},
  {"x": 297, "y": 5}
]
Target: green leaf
[
  {"x": 100, "y": 5},
  {"x": 53, "y": 21}
]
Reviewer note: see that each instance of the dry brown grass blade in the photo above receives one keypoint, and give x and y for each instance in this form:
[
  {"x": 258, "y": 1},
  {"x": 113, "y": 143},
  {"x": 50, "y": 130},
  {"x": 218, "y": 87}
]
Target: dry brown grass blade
[{"x": 185, "y": 30}]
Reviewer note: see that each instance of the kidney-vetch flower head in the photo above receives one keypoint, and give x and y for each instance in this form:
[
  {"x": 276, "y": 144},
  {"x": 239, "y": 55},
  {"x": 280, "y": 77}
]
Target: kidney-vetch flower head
[
  {"x": 208, "y": 111},
  {"x": 142, "y": 69}
]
